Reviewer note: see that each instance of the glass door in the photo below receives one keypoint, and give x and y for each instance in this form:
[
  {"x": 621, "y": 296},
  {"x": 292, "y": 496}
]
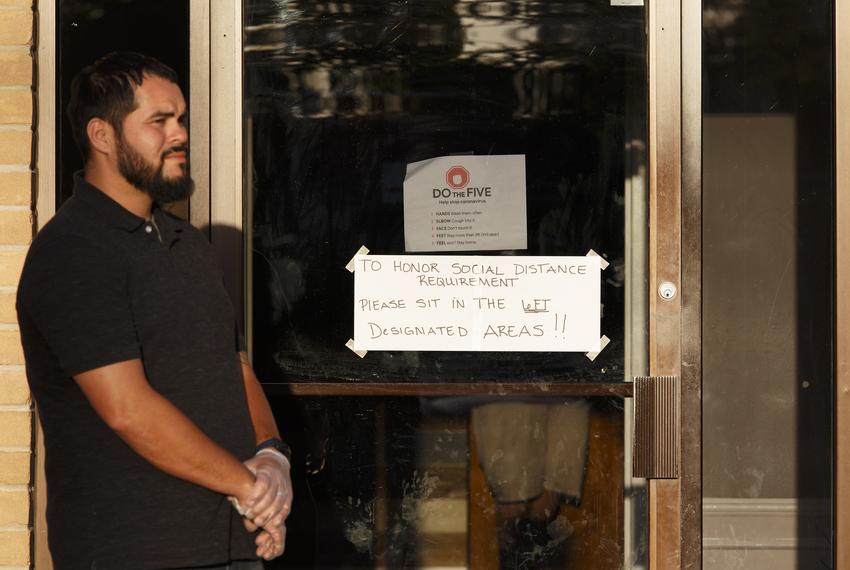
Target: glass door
[{"x": 460, "y": 458}]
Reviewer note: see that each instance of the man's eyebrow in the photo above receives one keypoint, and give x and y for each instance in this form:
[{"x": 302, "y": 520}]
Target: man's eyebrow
[
  {"x": 165, "y": 115},
  {"x": 161, "y": 115}
]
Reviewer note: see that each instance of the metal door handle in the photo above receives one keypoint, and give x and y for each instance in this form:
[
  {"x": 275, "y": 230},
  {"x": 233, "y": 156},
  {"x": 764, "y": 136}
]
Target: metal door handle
[{"x": 656, "y": 434}]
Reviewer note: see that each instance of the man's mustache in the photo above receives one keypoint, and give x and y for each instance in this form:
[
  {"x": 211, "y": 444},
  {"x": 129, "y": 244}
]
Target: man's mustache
[{"x": 175, "y": 149}]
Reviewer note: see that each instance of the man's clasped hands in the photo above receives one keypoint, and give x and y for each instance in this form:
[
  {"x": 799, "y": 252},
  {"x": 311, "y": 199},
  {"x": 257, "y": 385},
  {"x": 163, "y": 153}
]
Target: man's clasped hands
[{"x": 268, "y": 503}]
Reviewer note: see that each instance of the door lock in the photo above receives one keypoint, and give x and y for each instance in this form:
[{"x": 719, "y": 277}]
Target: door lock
[{"x": 667, "y": 290}]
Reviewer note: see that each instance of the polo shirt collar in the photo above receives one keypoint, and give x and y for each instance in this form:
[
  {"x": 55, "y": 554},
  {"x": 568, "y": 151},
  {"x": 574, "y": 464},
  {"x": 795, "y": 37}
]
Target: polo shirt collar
[
  {"x": 169, "y": 229},
  {"x": 116, "y": 215},
  {"x": 108, "y": 209}
]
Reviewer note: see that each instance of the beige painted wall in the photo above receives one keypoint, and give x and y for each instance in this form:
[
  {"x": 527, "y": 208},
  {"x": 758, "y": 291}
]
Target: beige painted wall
[
  {"x": 757, "y": 444},
  {"x": 16, "y": 228},
  {"x": 749, "y": 296}
]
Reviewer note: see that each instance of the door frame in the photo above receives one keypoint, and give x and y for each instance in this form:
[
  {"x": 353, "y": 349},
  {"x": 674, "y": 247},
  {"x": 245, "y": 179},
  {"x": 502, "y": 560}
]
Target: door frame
[
  {"x": 674, "y": 32},
  {"x": 842, "y": 284},
  {"x": 44, "y": 204},
  {"x": 675, "y": 187},
  {"x": 680, "y": 54}
]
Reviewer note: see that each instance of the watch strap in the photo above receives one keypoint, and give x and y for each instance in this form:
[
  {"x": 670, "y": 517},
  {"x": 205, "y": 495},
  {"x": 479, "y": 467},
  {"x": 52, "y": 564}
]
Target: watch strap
[{"x": 276, "y": 444}]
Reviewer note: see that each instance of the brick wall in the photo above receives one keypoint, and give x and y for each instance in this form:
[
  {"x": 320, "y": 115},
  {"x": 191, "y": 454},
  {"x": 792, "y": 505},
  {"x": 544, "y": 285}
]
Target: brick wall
[{"x": 16, "y": 227}]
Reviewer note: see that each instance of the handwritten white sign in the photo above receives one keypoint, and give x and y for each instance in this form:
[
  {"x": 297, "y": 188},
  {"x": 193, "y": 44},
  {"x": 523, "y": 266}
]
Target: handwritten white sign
[{"x": 476, "y": 303}]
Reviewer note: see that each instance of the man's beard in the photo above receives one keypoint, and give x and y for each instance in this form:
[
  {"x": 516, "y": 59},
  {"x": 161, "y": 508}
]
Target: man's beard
[{"x": 149, "y": 179}]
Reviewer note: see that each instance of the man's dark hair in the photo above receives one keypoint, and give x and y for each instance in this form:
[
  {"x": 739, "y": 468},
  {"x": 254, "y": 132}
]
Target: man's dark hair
[{"x": 106, "y": 89}]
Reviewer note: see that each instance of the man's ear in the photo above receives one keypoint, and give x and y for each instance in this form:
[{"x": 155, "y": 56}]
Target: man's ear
[{"x": 101, "y": 135}]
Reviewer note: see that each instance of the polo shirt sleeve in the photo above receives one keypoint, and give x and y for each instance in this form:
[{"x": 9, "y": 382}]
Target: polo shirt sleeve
[{"x": 76, "y": 295}]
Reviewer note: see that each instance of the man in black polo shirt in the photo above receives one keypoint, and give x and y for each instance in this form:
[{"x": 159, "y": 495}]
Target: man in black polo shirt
[{"x": 152, "y": 415}]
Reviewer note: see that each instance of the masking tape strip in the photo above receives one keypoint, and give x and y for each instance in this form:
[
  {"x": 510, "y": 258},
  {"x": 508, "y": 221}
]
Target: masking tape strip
[
  {"x": 362, "y": 251},
  {"x": 602, "y": 261},
  {"x": 350, "y": 345},
  {"x": 603, "y": 342}
]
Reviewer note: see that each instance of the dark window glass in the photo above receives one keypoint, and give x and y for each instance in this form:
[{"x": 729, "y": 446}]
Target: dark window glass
[
  {"x": 408, "y": 483},
  {"x": 768, "y": 200},
  {"x": 88, "y": 30},
  {"x": 340, "y": 97}
]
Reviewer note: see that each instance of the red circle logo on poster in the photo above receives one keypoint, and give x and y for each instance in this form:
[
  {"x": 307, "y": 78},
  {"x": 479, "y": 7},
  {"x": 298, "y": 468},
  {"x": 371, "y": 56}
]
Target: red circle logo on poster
[{"x": 457, "y": 177}]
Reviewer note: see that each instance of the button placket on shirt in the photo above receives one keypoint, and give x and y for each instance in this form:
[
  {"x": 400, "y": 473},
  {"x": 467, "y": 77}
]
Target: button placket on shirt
[{"x": 151, "y": 228}]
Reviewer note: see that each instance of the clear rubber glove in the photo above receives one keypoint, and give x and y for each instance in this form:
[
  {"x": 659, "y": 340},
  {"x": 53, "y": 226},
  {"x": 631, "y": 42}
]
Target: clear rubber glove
[
  {"x": 269, "y": 502},
  {"x": 270, "y": 542}
]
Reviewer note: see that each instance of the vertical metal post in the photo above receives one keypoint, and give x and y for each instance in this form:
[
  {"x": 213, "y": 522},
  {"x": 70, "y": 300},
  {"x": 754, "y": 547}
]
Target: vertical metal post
[
  {"x": 691, "y": 370},
  {"x": 199, "y": 111},
  {"x": 842, "y": 284},
  {"x": 665, "y": 187},
  {"x": 45, "y": 207},
  {"x": 226, "y": 183}
]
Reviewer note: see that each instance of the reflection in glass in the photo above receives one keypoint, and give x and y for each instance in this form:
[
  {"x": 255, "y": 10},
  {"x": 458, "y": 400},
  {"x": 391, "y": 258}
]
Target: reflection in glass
[
  {"x": 340, "y": 97},
  {"x": 405, "y": 483}
]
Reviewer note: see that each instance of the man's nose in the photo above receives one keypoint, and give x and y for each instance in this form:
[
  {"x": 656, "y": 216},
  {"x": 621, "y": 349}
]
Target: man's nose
[{"x": 179, "y": 134}]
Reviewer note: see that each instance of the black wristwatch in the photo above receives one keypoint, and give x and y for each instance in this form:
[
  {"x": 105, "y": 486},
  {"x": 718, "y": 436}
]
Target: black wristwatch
[{"x": 275, "y": 443}]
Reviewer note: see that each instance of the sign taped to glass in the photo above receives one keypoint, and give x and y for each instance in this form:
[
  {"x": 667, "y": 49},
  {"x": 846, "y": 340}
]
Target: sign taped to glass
[
  {"x": 465, "y": 203},
  {"x": 477, "y": 303}
]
